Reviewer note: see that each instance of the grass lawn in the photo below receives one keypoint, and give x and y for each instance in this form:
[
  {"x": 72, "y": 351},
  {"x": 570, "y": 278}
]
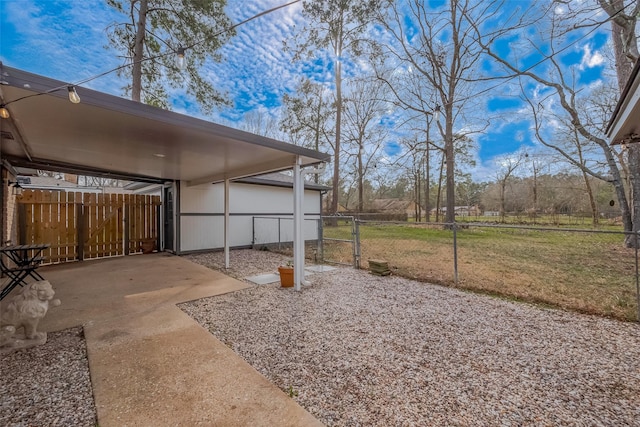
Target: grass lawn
[{"x": 587, "y": 272}]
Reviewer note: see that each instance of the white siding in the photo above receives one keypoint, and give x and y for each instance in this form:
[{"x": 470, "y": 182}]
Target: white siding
[{"x": 202, "y": 220}]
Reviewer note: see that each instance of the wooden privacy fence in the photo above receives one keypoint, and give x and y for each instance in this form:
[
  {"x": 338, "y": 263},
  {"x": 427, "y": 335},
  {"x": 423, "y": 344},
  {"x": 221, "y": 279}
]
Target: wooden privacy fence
[{"x": 87, "y": 225}]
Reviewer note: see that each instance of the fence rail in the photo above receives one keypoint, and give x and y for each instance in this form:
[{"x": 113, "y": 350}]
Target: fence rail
[{"x": 585, "y": 270}]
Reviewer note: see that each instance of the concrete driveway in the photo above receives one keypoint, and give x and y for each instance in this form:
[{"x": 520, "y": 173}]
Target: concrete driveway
[{"x": 150, "y": 363}]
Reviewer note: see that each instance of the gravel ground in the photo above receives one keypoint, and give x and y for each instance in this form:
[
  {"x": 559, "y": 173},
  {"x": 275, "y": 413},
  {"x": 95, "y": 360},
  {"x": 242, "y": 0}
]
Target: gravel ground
[
  {"x": 48, "y": 385},
  {"x": 356, "y": 349}
]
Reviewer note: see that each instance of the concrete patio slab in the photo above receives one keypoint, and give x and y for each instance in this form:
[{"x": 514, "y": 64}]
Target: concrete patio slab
[
  {"x": 319, "y": 268},
  {"x": 150, "y": 363},
  {"x": 264, "y": 279}
]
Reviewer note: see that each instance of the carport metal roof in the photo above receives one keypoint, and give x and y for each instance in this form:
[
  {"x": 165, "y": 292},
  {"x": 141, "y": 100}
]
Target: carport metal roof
[{"x": 111, "y": 136}]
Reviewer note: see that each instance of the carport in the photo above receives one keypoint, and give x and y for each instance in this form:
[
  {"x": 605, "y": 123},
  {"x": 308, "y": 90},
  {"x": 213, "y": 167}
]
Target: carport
[{"x": 108, "y": 136}]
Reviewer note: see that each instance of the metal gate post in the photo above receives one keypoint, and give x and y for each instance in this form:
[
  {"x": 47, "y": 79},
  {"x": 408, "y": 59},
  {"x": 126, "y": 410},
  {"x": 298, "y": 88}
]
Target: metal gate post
[
  {"x": 455, "y": 254},
  {"x": 279, "y": 236},
  {"x": 320, "y": 240},
  {"x": 356, "y": 243}
]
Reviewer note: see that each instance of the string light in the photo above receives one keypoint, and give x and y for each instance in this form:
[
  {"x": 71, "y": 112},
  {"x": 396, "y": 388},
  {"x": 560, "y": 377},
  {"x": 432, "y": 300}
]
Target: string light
[
  {"x": 73, "y": 95},
  {"x": 181, "y": 61},
  {"x": 4, "y": 113}
]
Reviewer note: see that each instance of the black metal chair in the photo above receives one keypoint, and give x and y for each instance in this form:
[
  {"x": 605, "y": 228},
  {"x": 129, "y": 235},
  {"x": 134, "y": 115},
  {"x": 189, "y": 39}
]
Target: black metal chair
[{"x": 16, "y": 275}]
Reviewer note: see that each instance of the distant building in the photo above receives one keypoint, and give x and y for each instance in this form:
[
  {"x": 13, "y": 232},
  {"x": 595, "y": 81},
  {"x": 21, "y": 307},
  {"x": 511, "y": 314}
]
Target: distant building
[
  {"x": 395, "y": 206},
  {"x": 461, "y": 210}
]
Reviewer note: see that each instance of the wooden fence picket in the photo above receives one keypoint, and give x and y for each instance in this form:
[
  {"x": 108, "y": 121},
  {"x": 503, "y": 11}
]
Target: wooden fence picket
[{"x": 86, "y": 225}]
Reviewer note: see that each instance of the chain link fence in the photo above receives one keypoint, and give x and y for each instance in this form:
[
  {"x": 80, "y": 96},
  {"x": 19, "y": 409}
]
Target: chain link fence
[
  {"x": 339, "y": 240},
  {"x": 589, "y": 271},
  {"x": 276, "y": 234}
]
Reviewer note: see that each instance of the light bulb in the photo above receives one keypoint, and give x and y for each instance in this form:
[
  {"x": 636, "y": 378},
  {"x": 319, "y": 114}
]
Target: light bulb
[
  {"x": 73, "y": 95},
  {"x": 436, "y": 114},
  {"x": 181, "y": 61},
  {"x": 4, "y": 113}
]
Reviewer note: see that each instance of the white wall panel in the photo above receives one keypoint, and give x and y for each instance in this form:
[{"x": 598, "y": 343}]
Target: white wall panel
[
  {"x": 202, "y": 220},
  {"x": 244, "y": 198},
  {"x": 202, "y": 199},
  {"x": 206, "y": 232}
]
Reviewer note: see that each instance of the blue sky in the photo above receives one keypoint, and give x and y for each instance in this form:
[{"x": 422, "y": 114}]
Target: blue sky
[{"x": 66, "y": 40}]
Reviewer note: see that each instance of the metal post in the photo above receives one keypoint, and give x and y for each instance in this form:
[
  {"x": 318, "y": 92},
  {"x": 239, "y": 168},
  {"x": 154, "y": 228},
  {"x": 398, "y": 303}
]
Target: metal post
[
  {"x": 455, "y": 254},
  {"x": 357, "y": 253},
  {"x": 298, "y": 216},
  {"x": 279, "y": 235},
  {"x": 637, "y": 280},
  {"x": 226, "y": 223},
  {"x": 320, "y": 253}
]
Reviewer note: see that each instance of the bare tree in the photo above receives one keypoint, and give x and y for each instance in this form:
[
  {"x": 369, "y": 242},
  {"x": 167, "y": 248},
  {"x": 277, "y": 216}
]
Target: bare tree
[
  {"x": 363, "y": 109},
  {"x": 439, "y": 46},
  {"x": 412, "y": 93},
  {"x": 338, "y": 25},
  {"x": 306, "y": 116},
  {"x": 506, "y": 166},
  {"x": 538, "y": 163},
  {"x": 552, "y": 78},
  {"x": 412, "y": 162},
  {"x": 260, "y": 123}
]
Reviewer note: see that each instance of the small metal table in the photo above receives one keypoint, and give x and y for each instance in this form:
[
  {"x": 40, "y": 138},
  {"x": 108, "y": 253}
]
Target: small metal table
[{"x": 20, "y": 262}]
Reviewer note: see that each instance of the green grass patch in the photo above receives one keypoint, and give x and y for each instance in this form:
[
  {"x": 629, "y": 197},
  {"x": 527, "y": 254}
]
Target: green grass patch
[{"x": 582, "y": 271}]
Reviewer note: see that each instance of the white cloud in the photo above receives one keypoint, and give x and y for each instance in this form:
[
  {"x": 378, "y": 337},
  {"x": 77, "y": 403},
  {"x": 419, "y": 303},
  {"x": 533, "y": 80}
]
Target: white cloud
[{"x": 590, "y": 59}]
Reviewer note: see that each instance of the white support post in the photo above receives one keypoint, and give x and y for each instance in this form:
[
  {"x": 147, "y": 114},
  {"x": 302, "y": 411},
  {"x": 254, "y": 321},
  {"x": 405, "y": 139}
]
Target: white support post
[
  {"x": 298, "y": 218},
  {"x": 226, "y": 223}
]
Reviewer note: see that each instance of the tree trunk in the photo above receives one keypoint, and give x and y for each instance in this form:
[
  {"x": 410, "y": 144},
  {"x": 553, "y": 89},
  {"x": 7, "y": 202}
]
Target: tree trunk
[
  {"x": 439, "y": 196},
  {"x": 625, "y": 42},
  {"x": 617, "y": 181},
  {"x": 626, "y": 49},
  {"x": 535, "y": 193},
  {"x": 418, "y": 191},
  {"x": 427, "y": 184},
  {"x": 336, "y": 156},
  {"x": 503, "y": 185},
  {"x": 360, "y": 179},
  {"x": 623, "y": 70},
  {"x": 138, "y": 52},
  {"x": 316, "y": 176},
  {"x": 592, "y": 199},
  {"x": 449, "y": 154}
]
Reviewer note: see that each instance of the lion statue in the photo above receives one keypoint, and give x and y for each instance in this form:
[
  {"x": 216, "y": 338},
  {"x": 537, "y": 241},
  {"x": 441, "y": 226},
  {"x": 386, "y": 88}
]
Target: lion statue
[{"x": 27, "y": 308}]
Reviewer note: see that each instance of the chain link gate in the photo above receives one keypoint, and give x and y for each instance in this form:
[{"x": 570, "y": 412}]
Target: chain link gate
[{"x": 340, "y": 240}]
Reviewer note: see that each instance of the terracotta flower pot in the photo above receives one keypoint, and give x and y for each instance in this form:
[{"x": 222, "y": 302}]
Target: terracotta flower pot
[
  {"x": 148, "y": 245},
  {"x": 286, "y": 276}
]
